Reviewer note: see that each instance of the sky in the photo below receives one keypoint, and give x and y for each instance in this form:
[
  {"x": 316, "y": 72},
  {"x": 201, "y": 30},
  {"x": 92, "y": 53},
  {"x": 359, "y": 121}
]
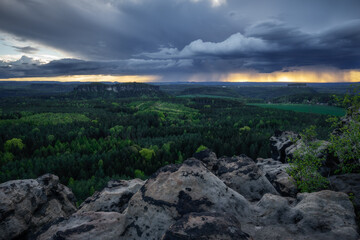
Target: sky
[{"x": 180, "y": 40}]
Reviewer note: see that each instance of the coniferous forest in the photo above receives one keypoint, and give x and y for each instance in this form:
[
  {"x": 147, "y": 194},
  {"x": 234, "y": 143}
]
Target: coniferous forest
[{"x": 88, "y": 141}]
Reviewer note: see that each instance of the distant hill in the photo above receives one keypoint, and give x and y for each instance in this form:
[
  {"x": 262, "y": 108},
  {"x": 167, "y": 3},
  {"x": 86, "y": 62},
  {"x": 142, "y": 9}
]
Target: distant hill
[
  {"x": 121, "y": 90},
  {"x": 211, "y": 91},
  {"x": 30, "y": 89},
  {"x": 314, "y": 98},
  {"x": 268, "y": 93}
]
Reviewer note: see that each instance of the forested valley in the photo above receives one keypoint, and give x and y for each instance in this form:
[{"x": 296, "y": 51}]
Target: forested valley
[{"x": 87, "y": 141}]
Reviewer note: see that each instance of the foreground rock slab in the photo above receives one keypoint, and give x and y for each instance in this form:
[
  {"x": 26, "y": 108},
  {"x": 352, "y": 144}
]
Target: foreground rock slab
[
  {"x": 88, "y": 225},
  {"x": 113, "y": 198},
  {"x": 275, "y": 172},
  {"x": 319, "y": 215},
  {"x": 188, "y": 201},
  {"x": 26, "y": 205},
  {"x": 210, "y": 226},
  {"x": 239, "y": 173},
  {"x": 349, "y": 184},
  {"x": 177, "y": 190}
]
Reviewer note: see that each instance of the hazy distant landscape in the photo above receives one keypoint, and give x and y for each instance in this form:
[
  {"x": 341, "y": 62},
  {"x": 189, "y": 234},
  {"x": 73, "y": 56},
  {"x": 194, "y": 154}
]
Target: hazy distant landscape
[
  {"x": 89, "y": 133},
  {"x": 179, "y": 120}
]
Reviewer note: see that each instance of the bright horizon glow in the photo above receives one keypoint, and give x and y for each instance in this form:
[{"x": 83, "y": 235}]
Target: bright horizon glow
[
  {"x": 90, "y": 78},
  {"x": 303, "y": 76}
]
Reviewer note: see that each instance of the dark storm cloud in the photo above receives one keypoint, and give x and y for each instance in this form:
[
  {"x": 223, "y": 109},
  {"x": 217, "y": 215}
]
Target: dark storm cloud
[
  {"x": 26, "y": 50},
  {"x": 105, "y": 29},
  {"x": 27, "y": 67},
  {"x": 164, "y": 36},
  {"x": 271, "y": 46}
]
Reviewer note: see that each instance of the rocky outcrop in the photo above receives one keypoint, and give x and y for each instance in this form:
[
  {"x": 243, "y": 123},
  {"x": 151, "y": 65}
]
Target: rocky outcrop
[
  {"x": 113, "y": 198},
  {"x": 87, "y": 225},
  {"x": 177, "y": 190},
  {"x": 349, "y": 184},
  {"x": 281, "y": 144},
  {"x": 347, "y": 133},
  {"x": 275, "y": 172},
  {"x": 193, "y": 200},
  {"x": 239, "y": 173},
  {"x": 118, "y": 90},
  {"x": 26, "y": 205},
  {"x": 211, "y": 226},
  {"x": 188, "y": 201},
  {"x": 353, "y": 114},
  {"x": 284, "y": 145},
  {"x": 170, "y": 194},
  {"x": 319, "y": 215}
]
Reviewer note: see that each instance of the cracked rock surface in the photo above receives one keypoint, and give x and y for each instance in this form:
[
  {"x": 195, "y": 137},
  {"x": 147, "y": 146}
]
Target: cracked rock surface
[
  {"x": 26, "y": 205},
  {"x": 193, "y": 201},
  {"x": 113, "y": 198}
]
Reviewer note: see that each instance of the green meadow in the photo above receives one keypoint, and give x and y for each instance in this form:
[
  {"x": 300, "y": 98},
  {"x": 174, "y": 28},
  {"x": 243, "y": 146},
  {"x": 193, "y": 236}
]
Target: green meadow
[{"x": 305, "y": 108}]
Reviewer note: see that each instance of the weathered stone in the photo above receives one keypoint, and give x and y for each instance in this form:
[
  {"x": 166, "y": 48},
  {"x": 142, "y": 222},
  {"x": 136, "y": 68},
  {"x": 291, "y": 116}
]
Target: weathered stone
[
  {"x": 349, "y": 184},
  {"x": 280, "y": 142},
  {"x": 177, "y": 190},
  {"x": 327, "y": 213},
  {"x": 26, "y": 205},
  {"x": 209, "y": 226},
  {"x": 113, "y": 198},
  {"x": 284, "y": 145},
  {"x": 86, "y": 225},
  {"x": 320, "y": 215},
  {"x": 239, "y": 173},
  {"x": 275, "y": 172},
  {"x": 188, "y": 201}
]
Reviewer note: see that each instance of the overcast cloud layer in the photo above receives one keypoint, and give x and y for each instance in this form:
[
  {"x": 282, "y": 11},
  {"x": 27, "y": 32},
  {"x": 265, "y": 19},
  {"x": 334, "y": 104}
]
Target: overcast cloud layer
[{"x": 181, "y": 36}]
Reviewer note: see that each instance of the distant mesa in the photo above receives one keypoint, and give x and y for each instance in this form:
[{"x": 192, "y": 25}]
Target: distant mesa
[
  {"x": 118, "y": 90},
  {"x": 297, "y": 85},
  {"x": 210, "y": 91}
]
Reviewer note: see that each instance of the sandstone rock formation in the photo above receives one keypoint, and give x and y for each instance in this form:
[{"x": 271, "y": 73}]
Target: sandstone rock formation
[
  {"x": 210, "y": 226},
  {"x": 86, "y": 225},
  {"x": 193, "y": 200},
  {"x": 283, "y": 147},
  {"x": 113, "y": 198},
  {"x": 349, "y": 184},
  {"x": 280, "y": 142},
  {"x": 177, "y": 190},
  {"x": 275, "y": 172},
  {"x": 239, "y": 173},
  {"x": 26, "y": 205},
  {"x": 182, "y": 201},
  {"x": 117, "y": 90},
  {"x": 319, "y": 215}
]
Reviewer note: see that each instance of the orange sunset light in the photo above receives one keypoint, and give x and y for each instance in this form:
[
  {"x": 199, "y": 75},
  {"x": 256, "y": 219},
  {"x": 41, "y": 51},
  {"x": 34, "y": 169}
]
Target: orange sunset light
[{"x": 295, "y": 76}]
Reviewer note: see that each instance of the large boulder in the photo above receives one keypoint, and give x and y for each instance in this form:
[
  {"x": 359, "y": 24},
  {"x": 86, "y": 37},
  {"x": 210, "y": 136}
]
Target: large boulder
[
  {"x": 349, "y": 184},
  {"x": 26, "y": 205},
  {"x": 177, "y": 190},
  {"x": 275, "y": 172},
  {"x": 113, "y": 198},
  {"x": 86, "y": 225},
  {"x": 239, "y": 173},
  {"x": 320, "y": 215},
  {"x": 328, "y": 213},
  {"x": 209, "y": 226}
]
